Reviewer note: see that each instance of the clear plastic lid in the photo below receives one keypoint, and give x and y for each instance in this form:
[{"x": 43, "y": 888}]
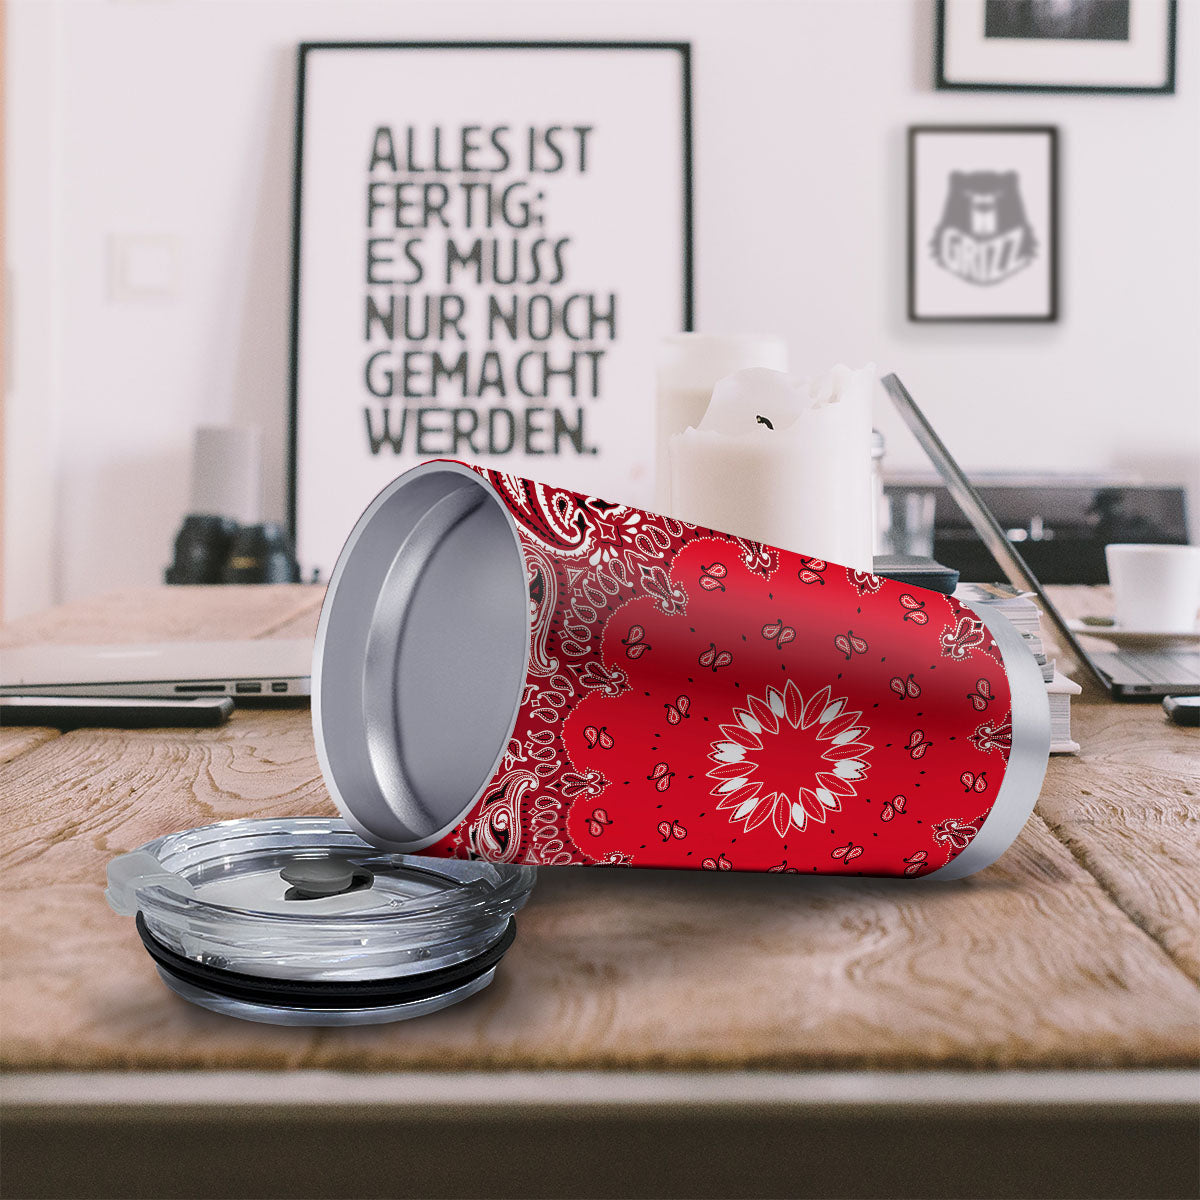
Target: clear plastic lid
[{"x": 306, "y": 899}]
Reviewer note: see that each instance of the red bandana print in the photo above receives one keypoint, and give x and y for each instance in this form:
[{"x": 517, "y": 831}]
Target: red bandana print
[{"x": 697, "y": 700}]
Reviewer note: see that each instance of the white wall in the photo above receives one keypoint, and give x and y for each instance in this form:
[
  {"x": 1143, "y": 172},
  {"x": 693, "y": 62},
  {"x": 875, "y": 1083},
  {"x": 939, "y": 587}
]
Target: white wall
[{"x": 174, "y": 117}]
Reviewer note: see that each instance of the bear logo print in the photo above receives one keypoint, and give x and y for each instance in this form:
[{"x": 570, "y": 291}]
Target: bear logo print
[{"x": 984, "y": 235}]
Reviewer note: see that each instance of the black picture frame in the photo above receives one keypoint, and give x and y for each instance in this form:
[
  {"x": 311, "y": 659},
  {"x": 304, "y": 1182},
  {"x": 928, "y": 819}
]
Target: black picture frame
[
  {"x": 305, "y": 49},
  {"x": 1052, "y": 313},
  {"x": 943, "y": 84}
]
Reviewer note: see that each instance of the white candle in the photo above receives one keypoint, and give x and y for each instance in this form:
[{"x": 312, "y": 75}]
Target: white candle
[
  {"x": 782, "y": 460},
  {"x": 689, "y": 365}
]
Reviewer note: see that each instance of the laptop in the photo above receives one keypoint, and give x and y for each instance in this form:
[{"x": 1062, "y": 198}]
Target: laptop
[
  {"x": 246, "y": 669},
  {"x": 1125, "y": 675}
]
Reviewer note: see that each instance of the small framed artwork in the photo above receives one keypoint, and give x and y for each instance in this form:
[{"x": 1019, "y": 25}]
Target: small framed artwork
[
  {"x": 1056, "y": 45},
  {"x": 982, "y": 223},
  {"x": 490, "y": 240}
]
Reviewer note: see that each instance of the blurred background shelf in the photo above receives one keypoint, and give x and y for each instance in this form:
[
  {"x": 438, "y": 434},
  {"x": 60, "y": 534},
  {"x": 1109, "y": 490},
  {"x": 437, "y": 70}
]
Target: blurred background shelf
[{"x": 1061, "y": 524}]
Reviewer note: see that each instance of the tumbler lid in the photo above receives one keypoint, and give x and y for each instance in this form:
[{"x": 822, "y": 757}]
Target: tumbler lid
[
  {"x": 301, "y": 922},
  {"x": 421, "y": 655}
]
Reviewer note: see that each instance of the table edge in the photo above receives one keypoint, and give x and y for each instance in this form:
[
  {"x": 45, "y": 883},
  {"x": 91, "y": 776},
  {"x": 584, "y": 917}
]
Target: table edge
[{"x": 572, "y": 1089}]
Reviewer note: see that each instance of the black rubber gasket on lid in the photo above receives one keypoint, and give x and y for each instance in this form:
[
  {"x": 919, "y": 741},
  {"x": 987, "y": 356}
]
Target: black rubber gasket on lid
[{"x": 339, "y": 994}]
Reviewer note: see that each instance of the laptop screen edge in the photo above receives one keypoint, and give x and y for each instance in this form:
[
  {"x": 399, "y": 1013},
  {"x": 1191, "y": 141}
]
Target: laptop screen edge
[{"x": 990, "y": 532}]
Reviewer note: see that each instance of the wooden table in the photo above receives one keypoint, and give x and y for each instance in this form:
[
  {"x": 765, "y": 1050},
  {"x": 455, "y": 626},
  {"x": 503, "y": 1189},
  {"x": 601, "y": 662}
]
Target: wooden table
[{"x": 1031, "y": 1030}]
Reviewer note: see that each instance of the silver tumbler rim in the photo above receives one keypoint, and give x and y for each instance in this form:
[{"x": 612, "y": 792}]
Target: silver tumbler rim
[
  {"x": 433, "y": 573},
  {"x": 1027, "y": 758}
]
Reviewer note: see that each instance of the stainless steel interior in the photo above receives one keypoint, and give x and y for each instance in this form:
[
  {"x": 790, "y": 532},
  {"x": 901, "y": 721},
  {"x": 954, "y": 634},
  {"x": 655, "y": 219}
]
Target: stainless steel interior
[{"x": 421, "y": 655}]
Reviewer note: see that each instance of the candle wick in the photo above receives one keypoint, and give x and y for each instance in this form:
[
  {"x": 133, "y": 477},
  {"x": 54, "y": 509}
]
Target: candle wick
[{"x": 763, "y": 421}]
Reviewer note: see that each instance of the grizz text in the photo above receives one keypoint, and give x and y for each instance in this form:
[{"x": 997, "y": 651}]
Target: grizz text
[{"x": 986, "y": 260}]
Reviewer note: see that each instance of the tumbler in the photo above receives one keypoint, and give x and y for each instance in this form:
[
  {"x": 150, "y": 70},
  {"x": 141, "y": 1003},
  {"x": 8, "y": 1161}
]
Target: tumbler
[{"x": 510, "y": 671}]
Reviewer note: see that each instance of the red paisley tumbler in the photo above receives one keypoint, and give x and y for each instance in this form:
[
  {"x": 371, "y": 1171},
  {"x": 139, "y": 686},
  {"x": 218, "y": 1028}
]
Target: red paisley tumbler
[{"x": 514, "y": 672}]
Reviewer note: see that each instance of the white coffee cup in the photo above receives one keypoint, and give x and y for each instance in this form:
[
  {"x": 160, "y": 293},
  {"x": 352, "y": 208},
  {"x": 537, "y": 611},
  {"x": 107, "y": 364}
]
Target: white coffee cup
[{"x": 1155, "y": 588}]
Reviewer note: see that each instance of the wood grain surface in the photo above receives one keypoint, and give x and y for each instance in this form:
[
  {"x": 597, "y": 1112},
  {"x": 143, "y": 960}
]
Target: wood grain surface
[
  {"x": 1077, "y": 949},
  {"x": 162, "y": 614},
  {"x": 1128, "y": 807},
  {"x": 15, "y": 740}
]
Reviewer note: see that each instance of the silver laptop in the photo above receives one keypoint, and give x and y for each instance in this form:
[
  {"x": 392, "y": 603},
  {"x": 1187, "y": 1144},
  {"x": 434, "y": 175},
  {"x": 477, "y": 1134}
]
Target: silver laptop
[
  {"x": 246, "y": 669},
  {"x": 1127, "y": 675}
]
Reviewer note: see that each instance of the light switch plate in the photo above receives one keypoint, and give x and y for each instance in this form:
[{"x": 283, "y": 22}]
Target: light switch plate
[{"x": 143, "y": 266}]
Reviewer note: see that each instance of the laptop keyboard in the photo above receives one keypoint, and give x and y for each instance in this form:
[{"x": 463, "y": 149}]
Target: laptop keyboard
[{"x": 1162, "y": 667}]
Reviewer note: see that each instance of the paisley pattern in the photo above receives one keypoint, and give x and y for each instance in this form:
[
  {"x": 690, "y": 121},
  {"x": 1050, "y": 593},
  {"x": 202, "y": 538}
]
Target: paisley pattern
[
  {"x": 491, "y": 833},
  {"x": 698, "y": 700}
]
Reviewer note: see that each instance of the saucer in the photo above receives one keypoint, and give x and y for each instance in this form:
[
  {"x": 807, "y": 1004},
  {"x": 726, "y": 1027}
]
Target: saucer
[{"x": 1143, "y": 639}]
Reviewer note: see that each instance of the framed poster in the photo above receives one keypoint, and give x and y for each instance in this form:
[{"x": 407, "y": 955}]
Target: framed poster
[
  {"x": 983, "y": 223},
  {"x": 490, "y": 238},
  {"x": 1056, "y": 45}
]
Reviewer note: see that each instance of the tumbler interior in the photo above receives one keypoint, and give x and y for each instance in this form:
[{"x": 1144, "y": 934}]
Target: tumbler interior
[{"x": 421, "y": 655}]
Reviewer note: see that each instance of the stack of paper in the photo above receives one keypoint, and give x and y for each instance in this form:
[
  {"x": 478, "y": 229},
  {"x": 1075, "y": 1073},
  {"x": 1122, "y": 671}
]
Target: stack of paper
[
  {"x": 1023, "y": 614},
  {"x": 1060, "y": 690}
]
